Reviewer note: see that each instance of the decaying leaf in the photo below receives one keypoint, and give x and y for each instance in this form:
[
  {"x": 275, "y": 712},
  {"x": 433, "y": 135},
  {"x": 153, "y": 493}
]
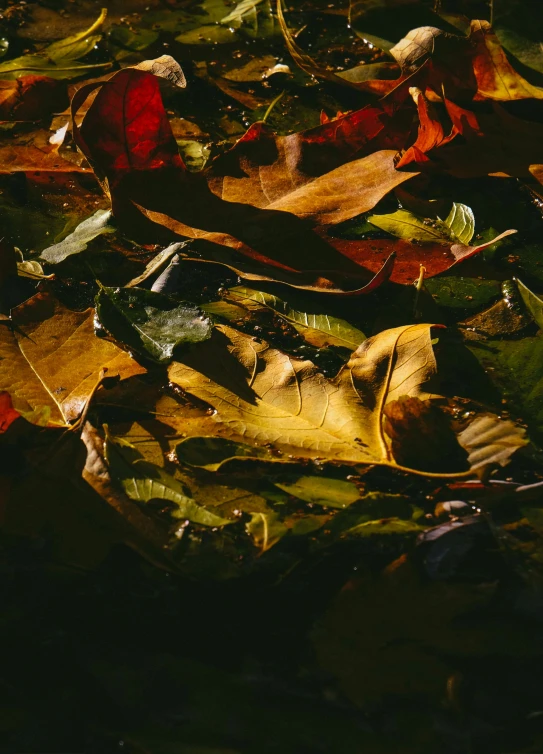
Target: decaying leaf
[
  {"x": 94, "y": 226},
  {"x": 153, "y": 324},
  {"x": 491, "y": 440},
  {"x": 52, "y": 362}
]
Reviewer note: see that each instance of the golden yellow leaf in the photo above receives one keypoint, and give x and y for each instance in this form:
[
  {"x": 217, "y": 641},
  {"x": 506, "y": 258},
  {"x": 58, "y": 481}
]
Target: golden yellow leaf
[
  {"x": 265, "y": 397},
  {"x": 51, "y": 359}
]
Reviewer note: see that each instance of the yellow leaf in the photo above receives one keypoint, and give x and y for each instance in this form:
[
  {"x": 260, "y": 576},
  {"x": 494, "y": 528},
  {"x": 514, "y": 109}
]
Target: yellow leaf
[
  {"x": 265, "y": 397},
  {"x": 52, "y": 359}
]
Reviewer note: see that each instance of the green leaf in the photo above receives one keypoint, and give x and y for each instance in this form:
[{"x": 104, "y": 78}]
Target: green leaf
[
  {"x": 518, "y": 24},
  {"x": 266, "y": 529},
  {"x": 94, "y": 226},
  {"x": 462, "y": 293},
  {"x": 194, "y": 154},
  {"x": 458, "y": 227},
  {"x": 533, "y": 303},
  {"x": 143, "y": 481},
  {"x": 461, "y": 222},
  {"x": 151, "y": 323},
  {"x": 331, "y": 493},
  {"x": 211, "y": 453},
  {"x": 515, "y": 369},
  {"x": 251, "y": 18},
  {"x": 57, "y": 59},
  {"x": 318, "y": 329},
  {"x": 406, "y": 225}
]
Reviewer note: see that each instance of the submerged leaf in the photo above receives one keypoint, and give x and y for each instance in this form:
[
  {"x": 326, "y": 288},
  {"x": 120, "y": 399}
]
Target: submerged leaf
[
  {"x": 153, "y": 324},
  {"x": 94, "y": 226},
  {"x": 58, "y": 60},
  {"x": 330, "y": 493},
  {"x": 143, "y": 481}
]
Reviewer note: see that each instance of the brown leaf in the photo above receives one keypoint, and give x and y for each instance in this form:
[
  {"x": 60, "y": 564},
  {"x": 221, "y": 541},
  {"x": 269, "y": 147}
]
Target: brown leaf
[{"x": 31, "y": 98}]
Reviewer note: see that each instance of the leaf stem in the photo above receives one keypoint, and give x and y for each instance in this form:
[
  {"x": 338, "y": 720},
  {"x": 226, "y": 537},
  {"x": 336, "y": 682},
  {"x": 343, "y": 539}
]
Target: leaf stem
[{"x": 271, "y": 106}]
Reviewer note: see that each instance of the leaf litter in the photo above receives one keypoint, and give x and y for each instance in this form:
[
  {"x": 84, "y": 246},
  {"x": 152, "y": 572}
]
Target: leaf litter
[{"x": 277, "y": 316}]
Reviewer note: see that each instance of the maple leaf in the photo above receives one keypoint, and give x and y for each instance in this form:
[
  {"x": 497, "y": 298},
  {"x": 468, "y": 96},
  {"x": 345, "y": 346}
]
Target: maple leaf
[{"x": 262, "y": 396}]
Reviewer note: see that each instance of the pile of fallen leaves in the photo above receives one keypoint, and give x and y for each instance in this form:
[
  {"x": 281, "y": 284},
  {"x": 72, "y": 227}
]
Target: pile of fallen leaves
[{"x": 239, "y": 353}]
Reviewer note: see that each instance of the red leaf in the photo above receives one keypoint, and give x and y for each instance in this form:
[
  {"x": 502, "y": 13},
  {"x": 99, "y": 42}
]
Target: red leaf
[
  {"x": 431, "y": 133},
  {"x": 126, "y": 128},
  {"x": 7, "y": 413}
]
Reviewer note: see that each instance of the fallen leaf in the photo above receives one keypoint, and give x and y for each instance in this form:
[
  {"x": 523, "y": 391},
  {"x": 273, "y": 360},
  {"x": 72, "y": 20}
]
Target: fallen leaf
[
  {"x": 435, "y": 258},
  {"x": 325, "y": 491},
  {"x": 262, "y": 396},
  {"x": 320, "y": 330},
  {"x": 29, "y": 153},
  {"x": 7, "y": 413},
  {"x": 139, "y": 136},
  {"x": 213, "y": 453},
  {"x": 254, "y": 70},
  {"x": 431, "y": 133},
  {"x": 491, "y": 440},
  {"x": 52, "y": 360},
  {"x": 496, "y": 77},
  {"x": 514, "y": 22},
  {"x": 58, "y": 60},
  {"x": 406, "y": 225},
  {"x": 31, "y": 98},
  {"x": 94, "y": 226},
  {"x": 533, "y": 303},
  {"x": 422, "y": 436},
  {"x": 308, "y": 65},
  {"x": 153, "y": 324},
  {"x": 143, "y": 481}
]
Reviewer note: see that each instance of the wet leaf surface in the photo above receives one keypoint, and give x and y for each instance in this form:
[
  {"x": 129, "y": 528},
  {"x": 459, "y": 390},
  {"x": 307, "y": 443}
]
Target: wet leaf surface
[{"x": 270, "y": 376}]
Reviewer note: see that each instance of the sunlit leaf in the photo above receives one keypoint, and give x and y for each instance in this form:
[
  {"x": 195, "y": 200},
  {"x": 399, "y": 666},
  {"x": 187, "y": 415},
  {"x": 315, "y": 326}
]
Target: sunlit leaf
[
  {"x": 491, "y": 440},
  {"x": 404, "y": 224},
  {"x": 52, "y": 359},
  {"x": 461, "y": 222},
  {"x": 262, "y": 396},
  {"x": 318, "y": 329}
]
